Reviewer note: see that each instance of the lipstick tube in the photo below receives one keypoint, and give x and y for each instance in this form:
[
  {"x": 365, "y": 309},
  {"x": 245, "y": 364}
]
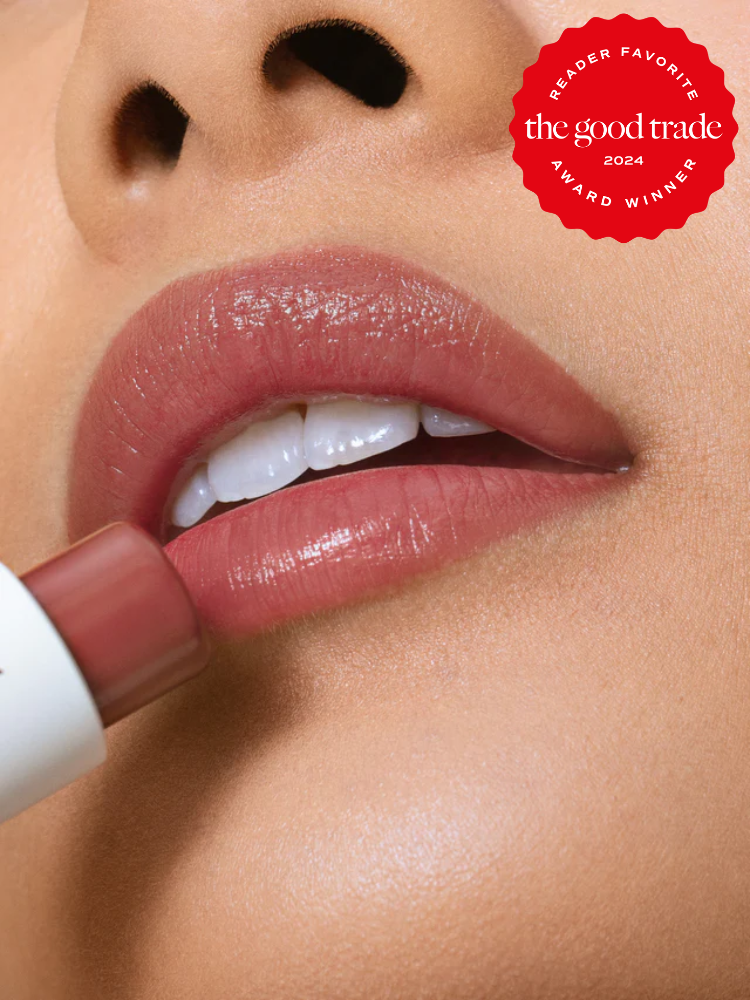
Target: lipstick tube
[{"x": 86, "y": 638}]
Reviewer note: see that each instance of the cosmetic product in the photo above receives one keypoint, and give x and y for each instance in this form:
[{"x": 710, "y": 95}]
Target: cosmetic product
[{"x": 86, "y": 638}]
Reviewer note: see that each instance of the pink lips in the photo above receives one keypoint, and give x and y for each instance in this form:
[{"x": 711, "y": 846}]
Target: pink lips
[{"x": 213, "y": 348}]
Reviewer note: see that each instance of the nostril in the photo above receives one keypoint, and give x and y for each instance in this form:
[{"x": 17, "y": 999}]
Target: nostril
[
  {"x": 350, "y": 55},
  {"x": 149, "y": 129}
]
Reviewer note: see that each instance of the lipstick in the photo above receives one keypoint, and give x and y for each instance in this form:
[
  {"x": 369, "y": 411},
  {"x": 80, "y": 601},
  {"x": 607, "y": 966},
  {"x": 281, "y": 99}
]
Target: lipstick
[{"x": 86, "y": 639}]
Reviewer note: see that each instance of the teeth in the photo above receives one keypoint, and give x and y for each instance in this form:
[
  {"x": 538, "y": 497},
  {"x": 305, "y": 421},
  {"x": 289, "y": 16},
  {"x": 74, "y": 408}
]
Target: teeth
[
  {"x": 270, "y": 455},
  {"x": 261, "y": 460},
  {"x": 195, "y": 500},
  {"x": 347, "y": 431},
  {"x": 442, "y": 424}
]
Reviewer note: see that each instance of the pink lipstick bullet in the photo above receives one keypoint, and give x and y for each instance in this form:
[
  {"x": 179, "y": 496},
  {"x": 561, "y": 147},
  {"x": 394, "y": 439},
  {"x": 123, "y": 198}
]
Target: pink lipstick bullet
[{"x": 86, "y": 638}]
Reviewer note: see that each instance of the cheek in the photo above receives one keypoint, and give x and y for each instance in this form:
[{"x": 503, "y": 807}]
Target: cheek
[
  {"x": 36, "y": 233},
  {"x": 37, "y": 357}
]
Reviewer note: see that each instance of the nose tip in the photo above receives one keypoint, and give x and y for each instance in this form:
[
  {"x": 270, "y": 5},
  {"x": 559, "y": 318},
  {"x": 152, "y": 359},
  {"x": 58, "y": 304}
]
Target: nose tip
[
  {"x": 178, "y": 116},
  {"x": 150, "y": 124}
]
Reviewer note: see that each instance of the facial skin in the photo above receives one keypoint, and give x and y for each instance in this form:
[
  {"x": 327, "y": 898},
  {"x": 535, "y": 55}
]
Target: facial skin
[{"x": 523, "y": 777}]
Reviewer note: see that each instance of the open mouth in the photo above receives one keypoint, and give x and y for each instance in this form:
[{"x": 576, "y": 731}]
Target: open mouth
[
  {"x": 317, "y": 439},
  {"x": 312, "y": 428}
]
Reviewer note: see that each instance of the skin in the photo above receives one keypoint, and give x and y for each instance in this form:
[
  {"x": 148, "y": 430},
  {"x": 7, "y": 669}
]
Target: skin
[{"x": 523, "y": 777}]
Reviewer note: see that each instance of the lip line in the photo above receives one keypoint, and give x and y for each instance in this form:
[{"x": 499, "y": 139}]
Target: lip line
[{"x": 208, "y": 304}]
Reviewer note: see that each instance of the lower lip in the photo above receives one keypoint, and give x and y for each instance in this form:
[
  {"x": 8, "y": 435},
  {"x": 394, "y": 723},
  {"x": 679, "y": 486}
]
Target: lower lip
[{"x": 324, "y": 544}]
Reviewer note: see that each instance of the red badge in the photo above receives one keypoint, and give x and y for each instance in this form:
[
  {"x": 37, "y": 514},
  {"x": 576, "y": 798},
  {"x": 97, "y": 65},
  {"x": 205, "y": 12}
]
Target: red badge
[{"x": 623, "y": 128}]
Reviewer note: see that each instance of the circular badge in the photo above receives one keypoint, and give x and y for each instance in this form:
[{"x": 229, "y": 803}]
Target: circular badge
[{"x": 623, "y": 128}]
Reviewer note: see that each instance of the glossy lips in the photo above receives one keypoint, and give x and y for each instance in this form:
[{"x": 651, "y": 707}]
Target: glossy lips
[{"x": 211, "y": 350}]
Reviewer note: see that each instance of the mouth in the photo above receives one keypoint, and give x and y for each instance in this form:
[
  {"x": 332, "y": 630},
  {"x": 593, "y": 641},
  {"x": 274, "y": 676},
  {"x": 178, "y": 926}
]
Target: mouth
[{"x": 310, "y": 429}]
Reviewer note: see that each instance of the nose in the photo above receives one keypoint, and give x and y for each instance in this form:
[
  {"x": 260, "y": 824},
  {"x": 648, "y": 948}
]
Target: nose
[{"x": 180, "y": 118}]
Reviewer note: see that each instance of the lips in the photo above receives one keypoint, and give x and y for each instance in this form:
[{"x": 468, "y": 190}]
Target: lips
[{"x": 218, "y": 349}]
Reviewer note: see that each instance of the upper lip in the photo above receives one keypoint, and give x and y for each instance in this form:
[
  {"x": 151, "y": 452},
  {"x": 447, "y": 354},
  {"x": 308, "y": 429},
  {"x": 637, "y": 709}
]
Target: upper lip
[{"x": 212, "y": 348}]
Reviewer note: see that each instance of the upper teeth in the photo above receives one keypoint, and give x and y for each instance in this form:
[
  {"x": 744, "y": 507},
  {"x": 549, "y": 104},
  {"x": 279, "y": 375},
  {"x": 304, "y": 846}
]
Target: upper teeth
[
  {"x": 195, "y": 500},
  {"x": 347, "y": 431},
  {"x": 271, "y": 454},
  {"x": 442, "y": 424},
  {"x": 260, "y": 460}
]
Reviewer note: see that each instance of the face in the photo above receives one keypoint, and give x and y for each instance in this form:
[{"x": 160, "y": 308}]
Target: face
[{"x": 516, "y": 769}]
